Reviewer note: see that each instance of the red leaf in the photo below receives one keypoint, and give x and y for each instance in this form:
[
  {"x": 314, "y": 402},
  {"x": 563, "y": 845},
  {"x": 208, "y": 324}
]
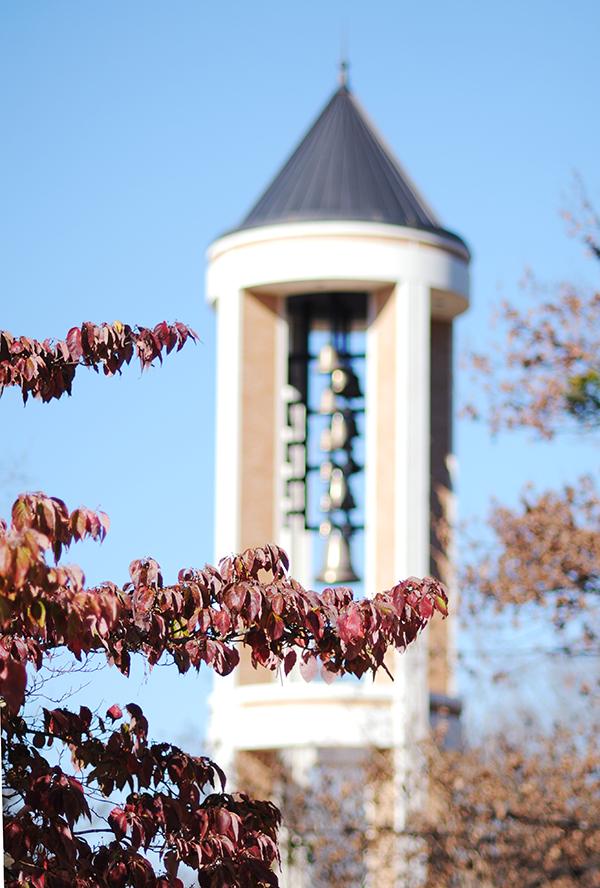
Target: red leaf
[
  {"x": 224, "y": 822},
  {"x": 221, "y": 622},
  {"x": 289, "y": 662},
  {"x": 350, "y": 626},
  {"x": 425, "y": 608},
  {"x": 309, "y": 668},
  {"x": 104, "y": 524},
  {"x": 277, "y": 603},
  {"x": 13, "y": 681},
  {"x": 117, "y": 820},
  {"x": 114, "y": 712},
  {"x": 74, "y": 343}
]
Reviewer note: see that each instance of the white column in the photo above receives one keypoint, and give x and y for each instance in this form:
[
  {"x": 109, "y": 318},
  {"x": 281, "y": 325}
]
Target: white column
[
  {"x": 299, "y": 764},
  {"x": 453, "y": 591},
  {"x": 371, "y": 448},
  {"x": 411, "y": 704},
  {"x": 412, "y": 428},
  {"x": 222, "y": 723},
  {"x": 228, "y": 422}
]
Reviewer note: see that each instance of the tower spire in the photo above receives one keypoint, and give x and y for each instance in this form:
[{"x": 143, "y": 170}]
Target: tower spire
[
  {"x": 343, "y": 72},
  {"x": 344, "y": 64}
]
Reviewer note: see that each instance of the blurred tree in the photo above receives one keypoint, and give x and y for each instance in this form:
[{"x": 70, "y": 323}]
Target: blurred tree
[
  {"x": 524, "y": 811},
  {"x": 545, "y": 377},
  {"x": 521, "y": 808}
]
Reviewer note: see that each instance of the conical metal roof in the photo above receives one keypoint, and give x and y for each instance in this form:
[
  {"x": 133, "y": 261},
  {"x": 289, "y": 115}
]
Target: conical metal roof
[{"x": 342, "y": 170}]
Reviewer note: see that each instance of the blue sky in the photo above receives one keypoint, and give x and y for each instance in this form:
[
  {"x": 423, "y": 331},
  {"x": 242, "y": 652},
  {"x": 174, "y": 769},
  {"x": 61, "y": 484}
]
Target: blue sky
[{"x": 136, "y": 133}]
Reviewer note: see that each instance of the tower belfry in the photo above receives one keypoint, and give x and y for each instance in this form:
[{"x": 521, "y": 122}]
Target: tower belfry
[{"x": 335, "y": 299}]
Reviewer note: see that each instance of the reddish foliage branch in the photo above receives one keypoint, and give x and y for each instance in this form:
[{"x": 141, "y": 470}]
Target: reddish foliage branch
[
  {"x": 545, "y": 373},
  {"x": 228, "y": 839},
  {"x": 46, "y": 369},
  {"x": 249, "y": 599},
  {"x": 549, "y": 554},
  {"x": 506, "y": 814}
]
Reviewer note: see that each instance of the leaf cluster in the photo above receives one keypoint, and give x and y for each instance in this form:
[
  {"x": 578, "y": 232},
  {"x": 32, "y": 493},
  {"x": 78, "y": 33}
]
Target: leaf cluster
[
  {"x": 46, "y": 370},
  {"x": 248, "y": 599},
  {"x": 170, "y": 808}
]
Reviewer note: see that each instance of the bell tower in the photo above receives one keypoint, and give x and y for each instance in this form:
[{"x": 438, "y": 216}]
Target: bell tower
[{"x": 335, "y": 300}]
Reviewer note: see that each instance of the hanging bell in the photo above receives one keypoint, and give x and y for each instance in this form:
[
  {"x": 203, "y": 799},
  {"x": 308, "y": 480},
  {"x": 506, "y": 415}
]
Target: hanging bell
[
  {"x": 337, "y": 567},
  {"x": 329, "y": 360},
  {"x": 339, "y": 495},
  {"x": 350, "y": 467},
  {"x": 329, "y": 402},
  {"x": 339, "y": 433},
  {"x": 325, "y": 470},
  {"x": 344, "y": 382}
]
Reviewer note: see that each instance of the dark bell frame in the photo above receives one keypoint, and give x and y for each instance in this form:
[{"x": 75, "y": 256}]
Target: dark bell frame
[{"x": 338, "y": 312}]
